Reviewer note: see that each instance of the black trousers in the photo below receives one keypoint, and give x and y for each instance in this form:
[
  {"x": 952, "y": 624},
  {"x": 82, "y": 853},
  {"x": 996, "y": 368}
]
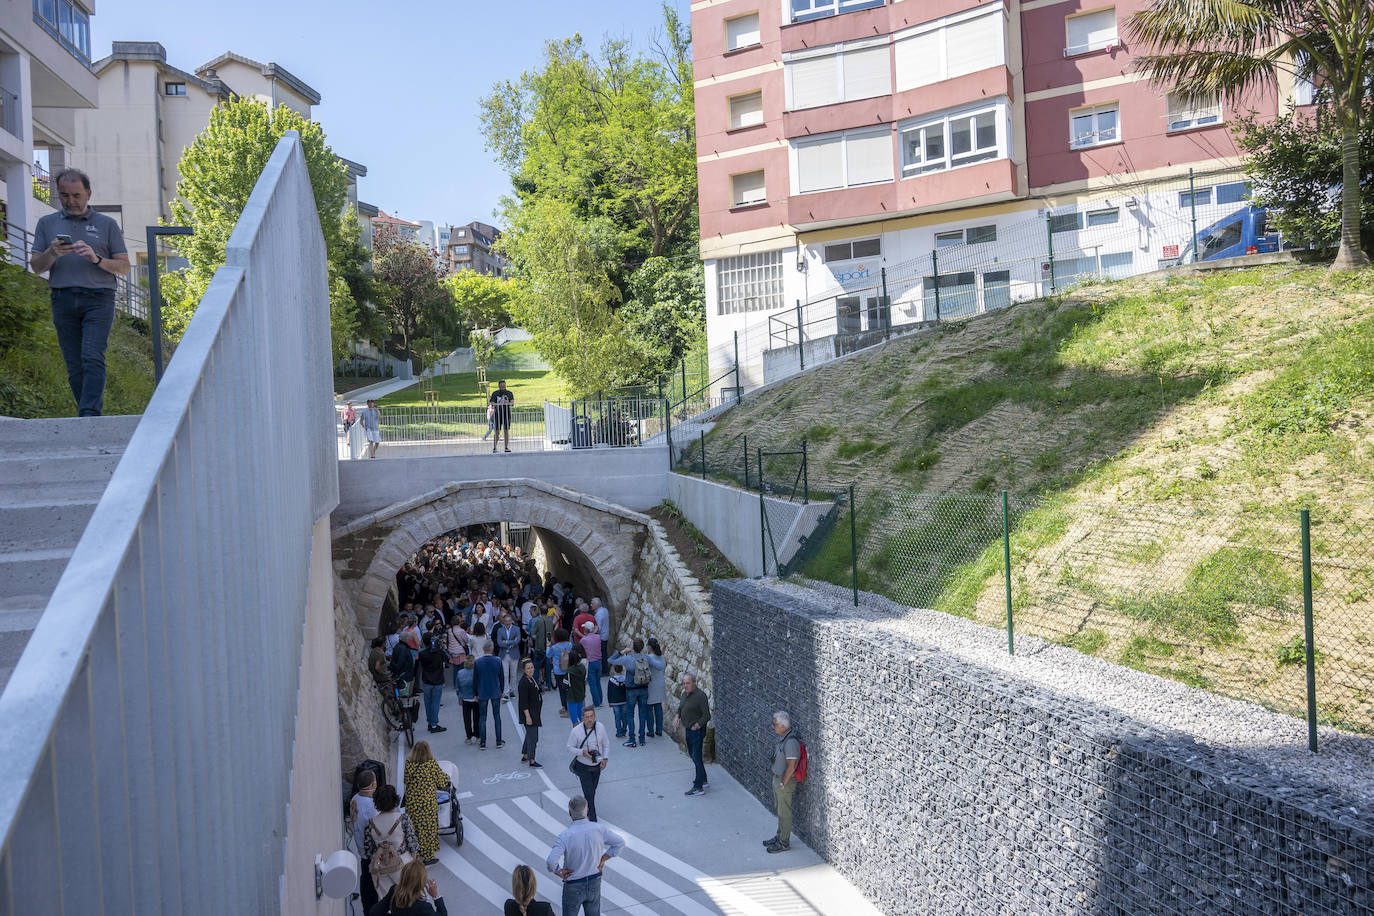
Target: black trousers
[
  {"x": 470, "y": 714},
  {"x": 590, "y": 777},
  {"x": 366, "y": 889},
  {"x": 531, "y": 741}
]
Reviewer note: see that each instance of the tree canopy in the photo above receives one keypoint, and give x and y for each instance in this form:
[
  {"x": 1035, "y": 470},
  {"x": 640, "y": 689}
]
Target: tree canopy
[
  {"x": 603, "y": 146},
  {"x": 218, "y": 172}
]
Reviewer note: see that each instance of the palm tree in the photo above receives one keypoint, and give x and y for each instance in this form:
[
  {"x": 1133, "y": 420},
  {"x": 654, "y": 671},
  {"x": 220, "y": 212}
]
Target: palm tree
[{"x": 1228, "y": 48}]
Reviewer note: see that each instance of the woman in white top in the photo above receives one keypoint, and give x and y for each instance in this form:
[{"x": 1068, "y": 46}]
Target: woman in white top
[
  {"x": 389, "y": 825},
  {"x": 590, "y": 747}
]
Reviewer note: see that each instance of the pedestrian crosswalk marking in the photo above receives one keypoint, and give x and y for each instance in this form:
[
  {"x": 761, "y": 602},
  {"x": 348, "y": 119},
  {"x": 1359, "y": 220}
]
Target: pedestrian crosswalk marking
[
  {"x": 611, "y": 892},
  {"x": 719, "y": 890},
  {"x": 467, "y": 873},
  {"x": 493, "y": 850}
]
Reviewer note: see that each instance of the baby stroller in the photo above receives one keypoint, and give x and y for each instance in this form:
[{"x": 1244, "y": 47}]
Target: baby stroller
[{"x": 450, "y": 812}]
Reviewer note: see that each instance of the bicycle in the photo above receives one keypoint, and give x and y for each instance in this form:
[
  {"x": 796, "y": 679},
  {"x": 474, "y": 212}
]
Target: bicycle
[{"x": 399, "y": 710}]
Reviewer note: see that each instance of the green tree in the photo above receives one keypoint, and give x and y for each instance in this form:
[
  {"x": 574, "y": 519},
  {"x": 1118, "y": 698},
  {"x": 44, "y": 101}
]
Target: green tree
[
  {"x": 1293, "y": 163},
  {"x": 665, "y": 314},
  {"x": 409, "y": 295},
  {"x": 483, "y": 349},
  {"x": 1230, "y": 48},
  {"x": 608, "y": 142},
  {"x": 480, "y": 301},
  {"x": 219, "y": 170}
]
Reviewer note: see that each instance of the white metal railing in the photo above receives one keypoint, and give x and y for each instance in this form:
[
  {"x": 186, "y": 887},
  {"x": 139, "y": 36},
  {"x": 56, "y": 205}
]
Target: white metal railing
[{"x": 146, "y": 732}]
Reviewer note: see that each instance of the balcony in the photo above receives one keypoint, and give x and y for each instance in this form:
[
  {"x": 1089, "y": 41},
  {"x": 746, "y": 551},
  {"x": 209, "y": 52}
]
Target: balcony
[{"x": 68, "y": 23}]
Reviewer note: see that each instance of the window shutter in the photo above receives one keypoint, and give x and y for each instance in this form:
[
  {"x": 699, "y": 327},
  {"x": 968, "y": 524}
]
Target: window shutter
[
  {"x": 976, "y": 44},
  {"x": 867, "y": 73},
  {"x": 820, "y": 166},
  {"x": 742, "y": 32},
  {"x": 747, "y": 188},
  {"x": 1090, "y": 31},
  {"x": 920, "y": 60},
  {"x": 869, "y": 158},
  {"x": 814, "y": 81},
  {"x": 746, "y": 110}
]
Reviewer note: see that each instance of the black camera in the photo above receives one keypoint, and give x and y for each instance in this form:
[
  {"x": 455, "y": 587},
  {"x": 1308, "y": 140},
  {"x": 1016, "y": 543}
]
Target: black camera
[{"x": 593, "y": 754}]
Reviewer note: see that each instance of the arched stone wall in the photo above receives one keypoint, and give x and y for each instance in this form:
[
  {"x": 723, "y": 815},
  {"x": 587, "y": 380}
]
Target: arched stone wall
[{"x": 368, "y": 551}]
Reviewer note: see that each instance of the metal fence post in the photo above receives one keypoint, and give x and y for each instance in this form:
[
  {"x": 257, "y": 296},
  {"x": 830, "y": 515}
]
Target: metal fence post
[
  {"x": 853, "y": 546},
  {"x": 739, "y": 392},
  {"x": 806, "y": 480},
  {"x": 801, "y": 353},
  {"x": 1049, "y": 240},
  {"x": 703, "y": 454},
  {"x": 1192, "y": 205},
  {"x": 935, "y": 269},
  {"x": 746, "y": 462},
  {"x": 763, "y": 536},
  {"x": 155, "y": 293},
  {"x": 758, "y": 449},
  {"x": 684, "y": 381},
  {"x": 887, "y": 308},
  {"x": 667, "y": 424},
  {"x": 1304, "y": 518},
  {"x": 1006, "y": 564}
]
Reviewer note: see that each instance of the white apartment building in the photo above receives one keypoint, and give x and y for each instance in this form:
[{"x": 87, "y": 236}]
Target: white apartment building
[{"x": 45, "y": 78}]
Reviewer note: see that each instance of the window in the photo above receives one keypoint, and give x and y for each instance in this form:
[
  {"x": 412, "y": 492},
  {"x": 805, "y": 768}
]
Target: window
[
  {"x": 949, "y": 239},
  {"x": 838, "y": 73},
  {"x": 1197, "y": 197},
  {"x": 746, "y": 189},
  {"x": 949, "y": 47},
  {"x": 1089, "y": 31},
  {"x": 66, "y": 22},
  {"x": 1108, "y": 217},
  {"x": 951, "y": 140},
  {"x": 843, "y": 160},
  {"x": 1118, "y": 264},
  {"x": 848, "y": 251},
  {"x": 746, "y": 110},
  {"x": 996, "y": 289},
  {"x": 749, "y": 283},
  {"x": 460, "y": 249},
  {"x": 1091, "y": 126},
  {"x": 1235, "y": 193},
  {"x": 742, "y": 32},
  {"x": 818, "y": 9},
  {"x": 976, "y": 235},
  {"x": 1186, "y": 113},
  {"x": 957, "y": 295},
  {"x": 1066, "y": 222},
  {"x": 852, "y": 311},
  {"x": 1219, "y": 239},
  {"x": 462, "y": 233},
  {"x": 174, "y": 88}
]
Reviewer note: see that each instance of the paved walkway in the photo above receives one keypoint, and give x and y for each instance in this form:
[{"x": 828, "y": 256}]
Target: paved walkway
[
  {"x": 377, "y": 391},
  {"x": 699, "y": 856}
]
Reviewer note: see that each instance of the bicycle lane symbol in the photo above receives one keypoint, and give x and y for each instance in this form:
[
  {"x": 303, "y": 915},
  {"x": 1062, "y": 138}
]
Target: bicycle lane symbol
[{"x": 502, "y": 777}]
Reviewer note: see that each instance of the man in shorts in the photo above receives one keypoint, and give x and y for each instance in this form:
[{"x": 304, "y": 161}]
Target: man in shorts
[
  {"x": 371, "y": 421},
  {"x": 502, "y": 399}
]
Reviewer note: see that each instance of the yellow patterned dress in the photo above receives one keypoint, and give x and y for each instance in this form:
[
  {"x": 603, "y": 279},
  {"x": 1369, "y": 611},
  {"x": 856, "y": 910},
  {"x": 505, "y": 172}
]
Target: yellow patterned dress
[{"x": 423, "y": 781}]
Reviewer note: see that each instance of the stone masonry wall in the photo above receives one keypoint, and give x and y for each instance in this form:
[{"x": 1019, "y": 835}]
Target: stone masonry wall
[
  {"x": 667, "y": 602},
  {"x": 941, "y": 787},
  {"x": 363, "y": 733}
]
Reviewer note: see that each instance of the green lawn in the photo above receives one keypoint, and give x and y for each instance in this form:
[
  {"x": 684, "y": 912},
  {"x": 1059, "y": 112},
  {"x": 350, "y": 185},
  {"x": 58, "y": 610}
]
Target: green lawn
[{"x": 531, "y": 387}]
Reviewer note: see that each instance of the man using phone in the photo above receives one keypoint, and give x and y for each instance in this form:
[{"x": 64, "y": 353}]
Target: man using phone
[{"x": 83, "y": 253}]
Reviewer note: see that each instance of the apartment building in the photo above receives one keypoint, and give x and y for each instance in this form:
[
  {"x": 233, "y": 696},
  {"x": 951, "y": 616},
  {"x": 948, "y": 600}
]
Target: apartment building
[
  {"x": 45, "y": 79},
  {"x": 384, "y": 224},
  {"x": 840, "y": 138},
  {"x": 150, "y": 111},
  {"x": 470, "y": 248}
]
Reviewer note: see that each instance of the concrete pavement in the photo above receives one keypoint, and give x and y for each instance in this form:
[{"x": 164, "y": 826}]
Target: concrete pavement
[{"x": 699, "y": 856}]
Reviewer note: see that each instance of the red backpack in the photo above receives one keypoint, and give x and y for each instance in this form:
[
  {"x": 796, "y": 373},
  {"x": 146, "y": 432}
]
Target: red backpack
[{"x": 799, "y": 773}]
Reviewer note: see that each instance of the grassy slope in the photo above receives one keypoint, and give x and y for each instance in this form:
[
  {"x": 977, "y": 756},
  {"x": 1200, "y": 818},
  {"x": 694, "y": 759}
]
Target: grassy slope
[
  {"x": 512, "y": 362},
  {"x": 33, "y": 377},
  {"x": 1157, "y": 437}
]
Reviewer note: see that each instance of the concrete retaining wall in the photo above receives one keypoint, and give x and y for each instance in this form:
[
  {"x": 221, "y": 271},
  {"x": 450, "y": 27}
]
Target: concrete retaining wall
[{"x": 939, "y": 787}]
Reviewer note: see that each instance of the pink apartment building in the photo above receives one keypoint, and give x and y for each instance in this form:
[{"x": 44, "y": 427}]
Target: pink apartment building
[{"x": 837, "y": 138}]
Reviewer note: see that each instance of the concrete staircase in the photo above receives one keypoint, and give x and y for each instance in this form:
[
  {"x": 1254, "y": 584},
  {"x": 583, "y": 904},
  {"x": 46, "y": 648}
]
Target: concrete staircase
[{"x": 52, "y": 473}]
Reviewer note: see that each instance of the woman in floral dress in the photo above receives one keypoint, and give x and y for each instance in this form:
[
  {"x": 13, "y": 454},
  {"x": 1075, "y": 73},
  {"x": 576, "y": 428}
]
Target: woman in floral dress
[{"x": 424, "y": 778}]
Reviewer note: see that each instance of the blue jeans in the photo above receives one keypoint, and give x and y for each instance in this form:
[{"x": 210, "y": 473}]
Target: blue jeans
[
  {"x": 83, "y": 318},
  {"x": 433, "y": 694},
  {"x": 585, "y": 894},
  {"x": 594, "y": 681},
  {"x": 622, "y": 717},
  {"x": 495, "y": 704},
  {"x": 637, "y": 698},
  {"x": 575, "y": 712},
  {"x": 696, "y": 739}
]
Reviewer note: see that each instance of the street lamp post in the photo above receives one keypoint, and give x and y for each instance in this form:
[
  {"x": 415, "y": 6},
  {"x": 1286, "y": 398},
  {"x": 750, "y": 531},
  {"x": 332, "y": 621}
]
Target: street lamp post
[{"x": 154, "y": 295}]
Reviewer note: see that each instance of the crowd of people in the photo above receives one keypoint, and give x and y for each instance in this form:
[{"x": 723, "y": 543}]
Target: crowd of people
[{"x": 481, "y": 609}]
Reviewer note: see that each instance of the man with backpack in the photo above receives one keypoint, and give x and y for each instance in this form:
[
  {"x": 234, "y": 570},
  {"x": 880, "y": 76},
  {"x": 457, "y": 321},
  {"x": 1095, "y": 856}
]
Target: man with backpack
[
  {"x": 638, "y": 674},
  {"x": 789, "y": 768}
]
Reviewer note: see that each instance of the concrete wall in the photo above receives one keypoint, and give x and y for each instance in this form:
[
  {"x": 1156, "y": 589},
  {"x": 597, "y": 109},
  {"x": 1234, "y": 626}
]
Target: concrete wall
[
  {"x": 941, "y": 786},
  {"x": 314, "y": 820},
  {"x": 631, "y": 477},
  {"x": 729, "y": 517}
]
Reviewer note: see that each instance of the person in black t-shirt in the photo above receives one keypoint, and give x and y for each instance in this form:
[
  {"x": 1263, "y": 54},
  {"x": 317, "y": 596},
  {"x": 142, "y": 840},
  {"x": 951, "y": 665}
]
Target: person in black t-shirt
[{"x": 502, "y": 399}]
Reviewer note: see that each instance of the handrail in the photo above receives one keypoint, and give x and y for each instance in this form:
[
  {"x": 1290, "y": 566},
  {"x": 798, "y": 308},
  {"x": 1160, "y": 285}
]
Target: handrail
[{"x": 166, "y": 664}]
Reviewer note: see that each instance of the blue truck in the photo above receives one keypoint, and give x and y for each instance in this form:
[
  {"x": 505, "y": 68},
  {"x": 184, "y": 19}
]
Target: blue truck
[{"x": 1247, "y": 231}]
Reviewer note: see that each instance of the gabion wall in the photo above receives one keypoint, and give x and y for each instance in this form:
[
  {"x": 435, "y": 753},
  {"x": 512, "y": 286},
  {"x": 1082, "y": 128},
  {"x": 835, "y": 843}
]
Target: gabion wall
[{"x": 939, "y": 787}]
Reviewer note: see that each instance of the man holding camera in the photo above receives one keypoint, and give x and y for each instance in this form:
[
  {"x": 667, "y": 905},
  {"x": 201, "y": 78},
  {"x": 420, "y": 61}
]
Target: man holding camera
[
  {"x": 588, "y": 744},
  {"x": 83, "y": 253}
]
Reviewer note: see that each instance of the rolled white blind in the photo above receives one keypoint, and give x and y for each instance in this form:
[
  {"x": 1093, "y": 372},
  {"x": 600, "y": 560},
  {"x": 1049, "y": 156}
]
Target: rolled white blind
[
  {"x": 814, "y": 81},
  {"x": 920, "y": 60},
  {"x": 869, "y": 157},
  {"x": 747, "y": 188},
  {"x": 820, "y": 165},
  {"x": 975, "y": 44},
  {"x": 746, "y": 110},
  {"x": 1091, "y": 30},
  {"x": 867, "y": 73},
  {"x": 742, "y": 32}
]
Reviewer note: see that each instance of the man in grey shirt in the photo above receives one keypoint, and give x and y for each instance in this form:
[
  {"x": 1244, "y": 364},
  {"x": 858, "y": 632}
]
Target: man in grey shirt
[
  {"x": 582, "y": 851},
  {"x": 785, "y": 756},
  {"x": 82, "y": 252}
]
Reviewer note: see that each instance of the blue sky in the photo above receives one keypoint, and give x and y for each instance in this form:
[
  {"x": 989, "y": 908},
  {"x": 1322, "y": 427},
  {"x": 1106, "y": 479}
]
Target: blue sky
[{"x": 400, "y": 81}]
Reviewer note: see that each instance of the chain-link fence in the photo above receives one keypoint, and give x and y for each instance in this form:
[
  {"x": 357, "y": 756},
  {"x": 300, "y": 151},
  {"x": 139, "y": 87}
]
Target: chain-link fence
[{"x": 1222, "y": 598}]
